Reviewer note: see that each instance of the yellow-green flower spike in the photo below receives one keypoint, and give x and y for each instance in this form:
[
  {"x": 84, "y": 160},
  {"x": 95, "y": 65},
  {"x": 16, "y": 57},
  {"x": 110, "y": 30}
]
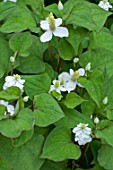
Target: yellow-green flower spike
[
  {"x": 75, "y": 75},
  {"x": 51, "y": 22},
  {"x": 17, "y": 76},
  {"x": 57, "y": 84}
]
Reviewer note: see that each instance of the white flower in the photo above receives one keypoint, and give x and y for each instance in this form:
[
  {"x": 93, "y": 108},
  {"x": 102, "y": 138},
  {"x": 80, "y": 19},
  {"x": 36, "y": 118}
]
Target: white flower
[
  {"x": 96, "y": 120},
  {"x": 75, "y": 60},
  {"x": 88, "y": 67},
  {"x": 12, "y": 59},
  {"x": 60, "y": 6},
  {"x": 26, "y": 98},
  {"x": 10, "y": 108},
  {"x": 14, "y": 80},
  {"x": 9, "y": 0},
  {"x": 82, "y": 134},
  {"x": 71, "y": 80},
  {"x": 3, "y": 102},
  {"x": 51, "y": 25},
  {"x": 57, "y": 85},
  {"x": 105, "y": 100},
  {"x": 105, "y": 5}
]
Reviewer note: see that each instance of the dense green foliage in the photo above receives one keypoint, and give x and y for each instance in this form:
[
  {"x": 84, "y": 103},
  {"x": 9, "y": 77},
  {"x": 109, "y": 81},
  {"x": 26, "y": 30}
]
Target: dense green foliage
[{"x": 38, "y": 136}]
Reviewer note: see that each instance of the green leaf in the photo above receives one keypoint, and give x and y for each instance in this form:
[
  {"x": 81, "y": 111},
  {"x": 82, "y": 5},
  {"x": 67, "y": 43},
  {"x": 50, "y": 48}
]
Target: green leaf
[
  {"x": 4, "y": 165},
  {"x": 76, "y": 36},
  {"x": 36, "y": 5},
  {"x": 24, "y": 157},
  {"x": 56, "y": 95},
  {"x": 54, "y": 9},
  {"x": 87, "y": 15},
  {"x": 73, "y": 118},
  {"x": 23, "y": 121},
  {"x": 58, "y": 146},
  {"x": 47, "y": 110},
  {"x": 68, "y": 53},
  {"x": 88, "y": 107},
  {"x": 101, "y": 40},
  {"x": 99, "y": 59},
  {"x": 72, "y": 100},
  {"x": 53, "y": 165},
  {"x": 23, "y": 138},
  {"x": 11, "y": 93},
  {"x": 36, "y": 43},
  {"x": 6, "y": 9},
  {"x": 20, "y": 19},
  {"x": 106, "y": 134},
  {"x": 96, "y": 167},
  {"x": 36, "y": 84},
  {"x": 21, "y": 43},
  {"x": 4, "y": 56},
  {"x": 93, "y": 85},
  {"x": 27, "y": 62},
  {"x": 105, "y": 156},
  {"x": 2, "y": 111}
]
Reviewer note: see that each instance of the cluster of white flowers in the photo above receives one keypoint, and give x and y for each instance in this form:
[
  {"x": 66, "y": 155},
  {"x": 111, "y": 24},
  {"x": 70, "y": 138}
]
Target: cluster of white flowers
[
  {"x": 51, "y": 25},
  {"x": 9, "y": 0},
  {"x": 67, "y": 81},
  {"x": 10, "y": 108},
  {"x": 105, "y": 5},
  {"x": 82, "y": 134},
  {"x": 14, "y": 80}
]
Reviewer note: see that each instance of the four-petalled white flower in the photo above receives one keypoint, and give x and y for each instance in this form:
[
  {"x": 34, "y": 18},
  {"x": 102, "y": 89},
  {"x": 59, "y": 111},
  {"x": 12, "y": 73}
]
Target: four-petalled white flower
[
  {"x": 58, "y": 86},
  {"x": 14, "y": 80},
  {"x": 71, "y": 79},
  {"x": 105, "y": 5},
  {"x": 10, "y": 108},
  {"x": 82, "y": 134},
  {"x": 51, "y": 25}
]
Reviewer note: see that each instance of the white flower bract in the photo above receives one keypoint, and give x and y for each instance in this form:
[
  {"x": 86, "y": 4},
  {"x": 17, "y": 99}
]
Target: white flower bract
[
  {"x": 9, "y": 0},
  {"x": 105, "y": 5},
  {"x": 51, "y": 25},
  {"x": 10, "y": 108},
  {"x": 82, "y": 134},
  {"x": 14, "y": 80},
  {"x": 57, "y": 85},
  {"x": 71, "y": 79}
]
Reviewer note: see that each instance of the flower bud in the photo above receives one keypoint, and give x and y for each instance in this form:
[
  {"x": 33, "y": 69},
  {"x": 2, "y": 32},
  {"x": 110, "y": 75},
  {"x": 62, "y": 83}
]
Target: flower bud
[
  {"x": 12, "y": 59},
  {"x": 88, "y": 67},
  {"x": 75, "y": 60},
  {"x": 60, "y": 6},
  {"x": 96, "y": 120},
  {"x": 91, "y": 117},
  {"x": 105, "y": 100},
  {"x": 26, "y": 98}
]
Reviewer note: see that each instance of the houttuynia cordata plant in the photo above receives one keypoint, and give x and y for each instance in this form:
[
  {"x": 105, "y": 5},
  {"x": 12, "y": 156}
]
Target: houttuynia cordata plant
[{"x": 56, "y": 85}]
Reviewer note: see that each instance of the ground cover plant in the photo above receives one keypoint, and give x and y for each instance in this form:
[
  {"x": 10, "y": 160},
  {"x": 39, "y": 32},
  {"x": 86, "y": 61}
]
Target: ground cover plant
[{"x": 56, "y": 85}]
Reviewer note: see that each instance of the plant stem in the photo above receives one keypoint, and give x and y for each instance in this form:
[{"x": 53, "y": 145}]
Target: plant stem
[
  {"x": 12, "y": 68},
  {"x": 84, "y": 153},
  {"x": 15, "y": 56},
  {"x": 60, "y": 65},
  {"x": 50, "y": 54}
]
